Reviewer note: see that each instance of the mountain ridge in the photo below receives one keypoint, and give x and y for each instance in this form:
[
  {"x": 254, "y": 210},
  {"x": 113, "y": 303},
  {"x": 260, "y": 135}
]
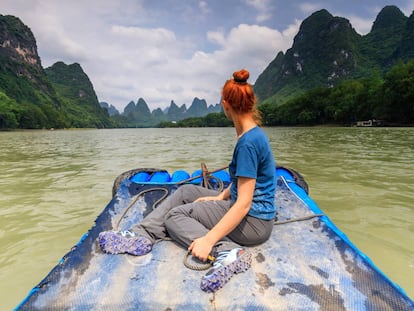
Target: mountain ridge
[
  {"x": 139, "y": 115},
  {"x": 327, "y": 49}
]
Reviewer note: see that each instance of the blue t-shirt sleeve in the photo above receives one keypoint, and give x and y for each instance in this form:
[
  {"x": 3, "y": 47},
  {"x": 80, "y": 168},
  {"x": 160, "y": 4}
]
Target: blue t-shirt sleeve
[{"x": 248, "y": 162}]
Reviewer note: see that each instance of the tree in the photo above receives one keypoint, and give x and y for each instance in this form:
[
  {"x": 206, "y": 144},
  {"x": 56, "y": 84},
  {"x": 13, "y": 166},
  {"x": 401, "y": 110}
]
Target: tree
[
  {"x": 398, "y": 93},
  {"x": 9, "y": 112}
]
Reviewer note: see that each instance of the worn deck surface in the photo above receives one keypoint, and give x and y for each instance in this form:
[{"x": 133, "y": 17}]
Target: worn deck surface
[{"x": 305, "y": 265}]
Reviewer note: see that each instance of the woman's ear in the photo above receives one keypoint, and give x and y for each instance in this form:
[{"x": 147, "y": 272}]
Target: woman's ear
[
  {"x": 225, "y": 104},
  {"x": 226, "y": 108}
]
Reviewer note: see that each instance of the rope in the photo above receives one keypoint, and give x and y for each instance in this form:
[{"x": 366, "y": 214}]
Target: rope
[
  {"x": 206, "y": 181},
  {"x": 298, "y": 219},
  {"x": 197, "y": 266},
  {"x": 136, "y": 199}
]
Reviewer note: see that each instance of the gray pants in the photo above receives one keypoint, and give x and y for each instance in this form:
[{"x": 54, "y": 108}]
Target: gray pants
[{"x": 184, "y": 221}]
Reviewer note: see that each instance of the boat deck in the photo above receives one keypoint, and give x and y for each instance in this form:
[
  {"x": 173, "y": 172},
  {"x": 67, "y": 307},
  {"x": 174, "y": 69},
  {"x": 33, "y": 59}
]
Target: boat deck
[{"x": 305, "y": 265}]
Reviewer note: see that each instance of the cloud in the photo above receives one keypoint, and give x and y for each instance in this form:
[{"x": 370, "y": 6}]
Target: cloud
[
  {"x": 156, "y": 36},
  {"x": 408, "y": 8},
  {"x": 361, "y": 25},
  {"x": 153, "y": 63},
  {"x": 128, "y": 53},
  {"x": 161, "y": 72},
  {"x": 204, "y": 9},
  {"x": 216, "y": 37},
  {"x": 245, "y": 46},
  {"x": 309, "y": 8},
  {"x": 290, "y": 32},
  {"x": 263, "y": 8}
]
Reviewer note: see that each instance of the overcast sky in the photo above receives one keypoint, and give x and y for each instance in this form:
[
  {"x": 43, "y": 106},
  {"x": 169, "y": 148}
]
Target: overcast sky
[{"x": 163, "y": 50}]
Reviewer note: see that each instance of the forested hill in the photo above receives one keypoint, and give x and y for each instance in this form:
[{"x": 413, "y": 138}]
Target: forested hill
[
  {"x": 327, "y": 50},
  {"x": 79, "y": 101},
  {"x": 31, "y": 97}
]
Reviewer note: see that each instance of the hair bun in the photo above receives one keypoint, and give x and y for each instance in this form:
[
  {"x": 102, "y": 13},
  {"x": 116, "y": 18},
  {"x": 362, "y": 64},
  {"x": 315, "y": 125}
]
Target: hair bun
[{"x": 241, "y": 76}]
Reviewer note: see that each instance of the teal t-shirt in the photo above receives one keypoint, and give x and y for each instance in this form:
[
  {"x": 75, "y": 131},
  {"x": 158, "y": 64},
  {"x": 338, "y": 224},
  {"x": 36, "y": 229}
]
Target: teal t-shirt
[{"x": 253, "y": 158}]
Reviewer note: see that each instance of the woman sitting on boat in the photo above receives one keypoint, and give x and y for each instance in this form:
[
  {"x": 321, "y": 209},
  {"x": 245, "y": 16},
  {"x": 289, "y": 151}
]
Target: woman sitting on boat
[{"x": 214, "y": 224}]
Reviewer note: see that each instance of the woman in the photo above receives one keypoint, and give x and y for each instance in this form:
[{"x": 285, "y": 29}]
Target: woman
[{"x": 214, "y": 224}]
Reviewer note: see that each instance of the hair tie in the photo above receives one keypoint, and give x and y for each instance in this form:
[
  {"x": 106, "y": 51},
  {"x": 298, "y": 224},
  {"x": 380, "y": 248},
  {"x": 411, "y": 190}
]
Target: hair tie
[{"x": 240, "y": 81}]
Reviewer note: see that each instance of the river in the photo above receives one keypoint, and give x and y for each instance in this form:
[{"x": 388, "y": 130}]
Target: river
[{"x": 53, "y": 185}]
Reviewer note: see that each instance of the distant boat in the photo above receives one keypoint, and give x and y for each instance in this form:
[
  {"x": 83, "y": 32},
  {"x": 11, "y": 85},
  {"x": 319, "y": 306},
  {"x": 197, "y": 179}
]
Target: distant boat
[
  {"x": 307, "y": 264},
  {"x": 369, "y": 123}
]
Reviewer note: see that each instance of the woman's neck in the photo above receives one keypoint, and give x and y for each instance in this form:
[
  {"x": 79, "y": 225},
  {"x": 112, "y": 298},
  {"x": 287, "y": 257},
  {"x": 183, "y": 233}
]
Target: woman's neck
[{"x": 243, "y": 123}]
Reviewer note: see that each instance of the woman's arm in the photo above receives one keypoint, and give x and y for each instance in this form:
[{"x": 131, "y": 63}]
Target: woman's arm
[{"x": 201, "y": 247}]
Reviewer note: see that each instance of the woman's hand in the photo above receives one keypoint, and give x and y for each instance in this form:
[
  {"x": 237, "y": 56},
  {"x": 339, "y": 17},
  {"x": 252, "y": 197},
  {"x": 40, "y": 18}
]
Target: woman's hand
[{"x": 201, "y": 248}]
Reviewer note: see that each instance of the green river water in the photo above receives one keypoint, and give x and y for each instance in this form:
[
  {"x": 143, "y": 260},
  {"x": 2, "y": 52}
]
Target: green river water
[{"x": 53, "y": 184}]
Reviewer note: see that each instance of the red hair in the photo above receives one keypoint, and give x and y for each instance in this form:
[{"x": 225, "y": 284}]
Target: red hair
[{"x": 239, "y": 94}]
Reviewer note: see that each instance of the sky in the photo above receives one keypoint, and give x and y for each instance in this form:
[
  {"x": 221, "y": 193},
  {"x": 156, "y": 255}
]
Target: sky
[{"x": 164, "y": 50}]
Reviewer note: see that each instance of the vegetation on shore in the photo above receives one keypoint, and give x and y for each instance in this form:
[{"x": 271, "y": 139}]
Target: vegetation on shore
[{"x": 390, "y": 99}]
